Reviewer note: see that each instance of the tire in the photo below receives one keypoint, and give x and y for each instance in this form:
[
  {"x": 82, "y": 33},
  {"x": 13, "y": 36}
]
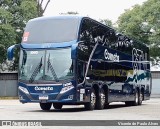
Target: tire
[
  {"x": 135, "y": 102},
  {"x": 91, "y": 105},
  {"x": 45, "y": 106},
  {"x": 100, "y": 99},
  {"x": 57, "y": 105},
  {"x": 140, "y": 98}
]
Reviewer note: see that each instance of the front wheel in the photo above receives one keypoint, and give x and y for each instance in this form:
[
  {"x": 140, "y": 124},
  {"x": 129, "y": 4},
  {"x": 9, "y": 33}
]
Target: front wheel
[
  {"x": 45, "y": 106},
  {"x": 57, "y": 105},
  {"x": 91, "y": 105}
]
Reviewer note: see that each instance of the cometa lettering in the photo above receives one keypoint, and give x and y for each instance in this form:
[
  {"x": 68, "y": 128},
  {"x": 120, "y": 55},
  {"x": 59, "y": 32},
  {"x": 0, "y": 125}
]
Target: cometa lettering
[
  {"x": 43, "y": 88},
  {"x": 110, "y": 56}
]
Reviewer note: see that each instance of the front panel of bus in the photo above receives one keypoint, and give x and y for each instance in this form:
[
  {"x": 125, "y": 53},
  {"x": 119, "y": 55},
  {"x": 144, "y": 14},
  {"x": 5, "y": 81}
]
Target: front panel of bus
[{"x": 46, "y": 67}]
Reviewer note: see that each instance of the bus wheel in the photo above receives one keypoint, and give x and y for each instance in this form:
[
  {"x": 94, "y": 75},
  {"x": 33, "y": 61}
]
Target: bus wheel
[
  {"x": 135, "y": 102},
  {"x": 57, "y": 105},
  {"x": 140, "y": 98},
  {"x": 100, "y": 100},
  {"x": 91, "y": 105},
  {"x": 45, "y": 106}
]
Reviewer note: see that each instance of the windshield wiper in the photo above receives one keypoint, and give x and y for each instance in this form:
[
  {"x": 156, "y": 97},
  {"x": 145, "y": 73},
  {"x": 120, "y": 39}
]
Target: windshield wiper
[
  {"x": 52, "y": 69},
  {"x": 35, "y": 72}
]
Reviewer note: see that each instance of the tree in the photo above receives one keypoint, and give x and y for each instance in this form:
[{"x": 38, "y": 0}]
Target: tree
[
  {"x": 14, "y": 15},
  {"x": 142, "y": 22},
  {"x": 106, "y": 22},
  {"x": 39, "y": 7}
]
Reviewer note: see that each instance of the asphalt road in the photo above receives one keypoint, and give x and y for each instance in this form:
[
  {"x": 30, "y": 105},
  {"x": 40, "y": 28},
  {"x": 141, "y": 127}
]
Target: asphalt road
[{"x": 14, "y": 110}]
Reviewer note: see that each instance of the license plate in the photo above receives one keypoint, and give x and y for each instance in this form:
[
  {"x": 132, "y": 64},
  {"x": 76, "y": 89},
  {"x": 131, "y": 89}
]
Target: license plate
[{"x": 43, "y": 97}]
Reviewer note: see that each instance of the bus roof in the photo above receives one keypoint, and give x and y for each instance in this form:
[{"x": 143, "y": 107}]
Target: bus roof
[
  {"x": 79, "y": 18},
  {"x": 57, "y": 17}
]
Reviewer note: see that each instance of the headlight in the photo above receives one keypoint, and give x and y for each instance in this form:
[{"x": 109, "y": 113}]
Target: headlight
[
  {"x": 66, "y": 87},
  {"x": 23, "y": 89}
]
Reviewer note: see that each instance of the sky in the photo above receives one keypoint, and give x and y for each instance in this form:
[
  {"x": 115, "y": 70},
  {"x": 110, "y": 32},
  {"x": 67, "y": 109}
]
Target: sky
[{"x": 96, "y": 9}]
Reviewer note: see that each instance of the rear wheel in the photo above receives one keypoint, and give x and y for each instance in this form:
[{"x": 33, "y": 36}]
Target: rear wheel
[
  {"x": 135, "y": 102},
  {"x": 91, "y": 105},
  {"x": 140, "y": 98},
  {"x": 100, "y": 99},
  {"x": 45, "y": 106},
  {"x": 57, "y": 105}
]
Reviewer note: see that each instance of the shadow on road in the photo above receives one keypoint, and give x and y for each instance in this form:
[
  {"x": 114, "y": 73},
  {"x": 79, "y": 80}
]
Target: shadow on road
[{"x": 82, "y": 109}]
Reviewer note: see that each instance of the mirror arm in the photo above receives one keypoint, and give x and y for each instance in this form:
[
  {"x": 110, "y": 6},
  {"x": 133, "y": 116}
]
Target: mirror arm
[{"x": 10, "y": 51}]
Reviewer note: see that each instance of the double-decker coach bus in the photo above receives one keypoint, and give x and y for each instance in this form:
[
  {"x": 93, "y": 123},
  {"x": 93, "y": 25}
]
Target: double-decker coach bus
[{"x": 67, "y": 60}]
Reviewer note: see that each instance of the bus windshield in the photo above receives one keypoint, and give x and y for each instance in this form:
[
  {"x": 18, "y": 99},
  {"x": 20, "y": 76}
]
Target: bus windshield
[
  {"x": 49, "y": 65},
  {"x": 51, "y": 30}
]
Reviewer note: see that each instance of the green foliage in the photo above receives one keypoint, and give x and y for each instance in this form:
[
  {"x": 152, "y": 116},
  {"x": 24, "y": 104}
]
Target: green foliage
[
  {"x": 14, "y": 14},
  {"x": 142, "y": 22},
  {"x": 106, "y": 22}
]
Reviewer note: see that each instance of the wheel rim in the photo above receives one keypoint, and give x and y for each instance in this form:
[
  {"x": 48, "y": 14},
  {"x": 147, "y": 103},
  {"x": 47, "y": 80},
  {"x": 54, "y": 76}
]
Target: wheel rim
[
  {"x": 93, "y": 99},
  {"x": 103, "y": 98}
]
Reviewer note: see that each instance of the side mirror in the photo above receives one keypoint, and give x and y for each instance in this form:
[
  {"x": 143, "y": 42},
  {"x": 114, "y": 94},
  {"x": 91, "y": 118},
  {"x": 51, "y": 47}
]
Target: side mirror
[
  {"x": 10, "y": 51},
  {"x": 74, "y": 50}
]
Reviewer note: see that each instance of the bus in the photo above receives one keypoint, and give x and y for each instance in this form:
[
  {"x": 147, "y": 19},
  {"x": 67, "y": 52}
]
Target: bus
[{"x": 75, "y": 60}]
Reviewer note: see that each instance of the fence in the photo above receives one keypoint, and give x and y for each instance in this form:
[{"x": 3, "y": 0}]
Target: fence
[
  {"x": 155, "y": 84},
  {"x": 8, "y": 84}
]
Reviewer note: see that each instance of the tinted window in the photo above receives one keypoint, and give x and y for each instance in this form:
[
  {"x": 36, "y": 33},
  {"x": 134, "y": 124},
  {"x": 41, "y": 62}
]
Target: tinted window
[
  {"x": 92, "y": 32},
  {"x": 51, "y": 30}
]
